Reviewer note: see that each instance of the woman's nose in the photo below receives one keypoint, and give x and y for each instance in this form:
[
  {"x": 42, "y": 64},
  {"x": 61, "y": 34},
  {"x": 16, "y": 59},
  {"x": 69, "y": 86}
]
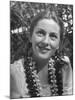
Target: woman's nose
[{"x": 46, "y": 39}]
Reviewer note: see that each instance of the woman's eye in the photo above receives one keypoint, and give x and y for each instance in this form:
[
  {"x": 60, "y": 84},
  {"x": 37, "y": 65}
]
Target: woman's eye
[
  {"x": 40, "y": 33},
  {"x": 53, "y": 36}
]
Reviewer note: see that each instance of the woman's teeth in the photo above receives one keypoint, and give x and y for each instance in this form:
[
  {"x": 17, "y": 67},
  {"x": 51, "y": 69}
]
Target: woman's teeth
[{"x": 44, "y": 49}]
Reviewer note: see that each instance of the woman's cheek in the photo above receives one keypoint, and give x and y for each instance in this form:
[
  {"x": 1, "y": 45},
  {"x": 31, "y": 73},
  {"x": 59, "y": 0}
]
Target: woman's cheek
[
  {"x": 35, "y": 41},
  {"x": 54, "y": 44},
  {"x": 38, "y": 40}
]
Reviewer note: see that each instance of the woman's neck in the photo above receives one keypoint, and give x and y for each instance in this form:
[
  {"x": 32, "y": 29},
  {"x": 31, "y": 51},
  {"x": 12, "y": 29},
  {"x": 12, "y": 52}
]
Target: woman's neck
[
  {"x": 43, "y": 75},
  {"x": 42, "y": 69},
  {"x": 40, "y": 63}
]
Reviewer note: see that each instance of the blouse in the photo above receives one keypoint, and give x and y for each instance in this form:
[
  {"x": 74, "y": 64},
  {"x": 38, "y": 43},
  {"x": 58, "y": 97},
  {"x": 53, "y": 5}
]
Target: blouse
[{"x": 18, "y": 85}]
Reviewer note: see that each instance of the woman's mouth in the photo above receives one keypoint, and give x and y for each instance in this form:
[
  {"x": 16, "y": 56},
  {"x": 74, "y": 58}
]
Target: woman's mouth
[{"x": 44, "y": 49}]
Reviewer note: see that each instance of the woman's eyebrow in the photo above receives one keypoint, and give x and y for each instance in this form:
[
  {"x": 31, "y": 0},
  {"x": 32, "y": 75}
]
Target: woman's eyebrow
[
  {"x": 54, "y": 33},
  {"x": 42, "y": 30}
]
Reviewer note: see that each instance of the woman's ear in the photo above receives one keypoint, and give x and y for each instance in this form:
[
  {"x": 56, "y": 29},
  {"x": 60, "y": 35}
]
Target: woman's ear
[
  {"x": 58, "y": 47},
  {"x": 29, "y": 38},
  {"x": 57, "y": 50}
]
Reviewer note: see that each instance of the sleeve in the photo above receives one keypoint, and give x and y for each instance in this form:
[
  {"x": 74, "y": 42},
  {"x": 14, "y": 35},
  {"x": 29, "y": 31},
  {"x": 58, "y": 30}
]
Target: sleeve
[
  {"x": 67, "y": 80},
  {"x": 17, "y": 81}
]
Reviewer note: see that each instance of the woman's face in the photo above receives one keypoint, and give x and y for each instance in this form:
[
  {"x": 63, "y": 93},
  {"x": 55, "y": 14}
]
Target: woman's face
[{"x": 45, "y": 38}]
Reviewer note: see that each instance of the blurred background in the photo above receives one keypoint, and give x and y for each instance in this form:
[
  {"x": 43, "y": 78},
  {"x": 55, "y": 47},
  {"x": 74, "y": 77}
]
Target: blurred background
[{"x": 21, "y": 14}]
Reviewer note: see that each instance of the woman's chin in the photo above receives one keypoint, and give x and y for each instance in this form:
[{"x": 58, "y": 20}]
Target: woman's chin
[{"x": 43, "y": 56}]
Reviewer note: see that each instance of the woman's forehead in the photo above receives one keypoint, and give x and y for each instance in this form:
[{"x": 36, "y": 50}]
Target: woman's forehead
[{"x": 48, "y": 24}]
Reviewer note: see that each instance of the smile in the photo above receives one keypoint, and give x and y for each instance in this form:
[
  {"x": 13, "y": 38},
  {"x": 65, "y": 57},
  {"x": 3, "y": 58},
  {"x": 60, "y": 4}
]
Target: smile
[{"x": 44, "y": 50}]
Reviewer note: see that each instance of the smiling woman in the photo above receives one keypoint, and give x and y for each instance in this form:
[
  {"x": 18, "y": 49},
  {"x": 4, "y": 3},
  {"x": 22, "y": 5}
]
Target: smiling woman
[
  {"x": 45, "y": 38},
  {"x": 42, "y": 71}
]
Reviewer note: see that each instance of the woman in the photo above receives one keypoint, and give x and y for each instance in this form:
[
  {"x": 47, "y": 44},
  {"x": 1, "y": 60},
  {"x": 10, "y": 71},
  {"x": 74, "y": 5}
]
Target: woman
[{"x": 43, "y": 71}]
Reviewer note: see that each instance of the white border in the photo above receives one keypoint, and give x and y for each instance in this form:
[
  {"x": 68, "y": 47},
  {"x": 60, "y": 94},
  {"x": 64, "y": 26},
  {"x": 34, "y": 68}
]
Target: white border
[
  {"x": 49, "y": 1},
  {"x": 5, "y": 47}
]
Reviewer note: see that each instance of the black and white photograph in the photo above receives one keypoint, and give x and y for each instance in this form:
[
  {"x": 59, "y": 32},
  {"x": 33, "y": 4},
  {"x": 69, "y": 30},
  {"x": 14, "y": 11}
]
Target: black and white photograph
[{"x": 41, "y": 49}]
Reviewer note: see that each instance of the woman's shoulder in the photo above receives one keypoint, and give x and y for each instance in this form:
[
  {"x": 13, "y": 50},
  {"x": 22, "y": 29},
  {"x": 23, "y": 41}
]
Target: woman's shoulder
[
  {"x": 17, "y": 65},
  {"x": 17, "y": 62},
  {"x": 17, "y": 69},
  {"x": 18, "y": 80},
  {"x": 67, "y": 76}
]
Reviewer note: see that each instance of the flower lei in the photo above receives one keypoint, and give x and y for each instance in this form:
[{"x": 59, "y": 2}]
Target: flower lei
[{"x": 54, "y": 77}]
